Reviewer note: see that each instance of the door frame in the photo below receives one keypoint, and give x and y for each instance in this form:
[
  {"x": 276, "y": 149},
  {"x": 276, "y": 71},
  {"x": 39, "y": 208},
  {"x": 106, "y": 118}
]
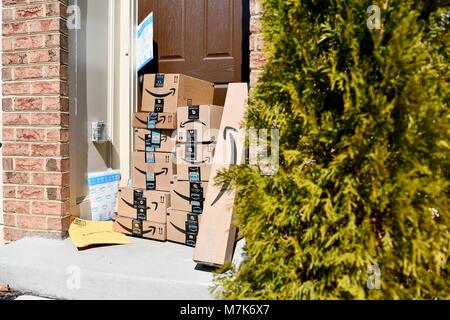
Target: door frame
[
  {"x": 125, "y": 79},
  {"x": 125, "y": 75}
]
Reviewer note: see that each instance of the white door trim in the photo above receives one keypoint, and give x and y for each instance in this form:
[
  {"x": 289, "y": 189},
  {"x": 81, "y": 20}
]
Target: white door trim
[{"x": 126, "y": 81}]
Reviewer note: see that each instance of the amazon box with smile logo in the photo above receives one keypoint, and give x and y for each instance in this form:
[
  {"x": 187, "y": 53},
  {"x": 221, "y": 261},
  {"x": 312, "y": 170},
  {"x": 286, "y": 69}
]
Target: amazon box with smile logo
[
  {"x": 150, "y": 121},
  {"x": 198, "y": 123},
  {"x": 140, "y": 229},
  {"x": 152, "y": 171},
  {"x": 194, "y": 161},
  {"x": 143, "y": 205},
  {"x": 188, "y": 196},
  {"x": 182, "y": 227},
  {"x": 164, "y": 93},
  {"x": 153, "y": 140}
]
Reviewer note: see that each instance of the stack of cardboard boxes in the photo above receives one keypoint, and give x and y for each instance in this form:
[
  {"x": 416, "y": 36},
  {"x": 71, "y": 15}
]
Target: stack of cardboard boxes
[
  {"x": 198, "y": 127},
  {"x": 142, "y": 208}
]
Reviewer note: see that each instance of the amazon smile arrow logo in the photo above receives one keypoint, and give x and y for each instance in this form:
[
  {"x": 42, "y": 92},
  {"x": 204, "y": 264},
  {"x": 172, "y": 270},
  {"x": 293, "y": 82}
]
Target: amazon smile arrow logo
[
  {"x": 164, "y": 171},
  {"x": 184, "y": 197},
  {"x": 161, "y": 119},
  {"x": 163, "y": 95},
  {"x": 132, "y": 205},
  {"x": 225, "y": 186},
  {"x": 207, "y": 160},
  {"x": 151, "y": 230},
  {"x": 184, "y": 124}
]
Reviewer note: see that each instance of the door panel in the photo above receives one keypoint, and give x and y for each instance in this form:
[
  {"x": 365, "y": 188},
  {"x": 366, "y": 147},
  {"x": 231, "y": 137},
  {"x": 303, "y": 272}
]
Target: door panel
[{"x": 200, "y": 38}]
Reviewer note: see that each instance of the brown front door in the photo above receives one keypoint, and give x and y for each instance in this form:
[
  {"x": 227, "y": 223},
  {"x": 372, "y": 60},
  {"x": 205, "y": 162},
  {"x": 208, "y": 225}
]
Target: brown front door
[{"x": 200, "y": 38}]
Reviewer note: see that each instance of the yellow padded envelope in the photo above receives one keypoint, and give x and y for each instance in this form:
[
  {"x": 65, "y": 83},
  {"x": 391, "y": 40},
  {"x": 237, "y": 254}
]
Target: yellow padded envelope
[{"x": 90, "y": 233}]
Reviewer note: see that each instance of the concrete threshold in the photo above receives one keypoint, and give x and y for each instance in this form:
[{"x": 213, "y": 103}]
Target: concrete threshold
[{"x": 144, "y": 270}]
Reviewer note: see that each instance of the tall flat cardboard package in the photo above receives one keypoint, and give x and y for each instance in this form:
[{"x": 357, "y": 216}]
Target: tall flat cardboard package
[{"x": 217, "y": 233}]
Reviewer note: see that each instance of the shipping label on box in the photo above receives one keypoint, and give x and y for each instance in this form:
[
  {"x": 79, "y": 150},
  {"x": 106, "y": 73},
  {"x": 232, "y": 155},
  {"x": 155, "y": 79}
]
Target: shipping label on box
[
  {"x": 142, "y": 120},
  {"x": 140, "y": 229},
  {"x": 152, "y": 174},
  {"x": 155, "y": 140},
  {"x": 188, "y": 196},
  {"x": 167, "y": 92},
  {"x": 198, "y": 123},
  {"x": 143, "y": 205},
  {"x": 194, "y": 161},
  {"x": 183, "y": 227}
]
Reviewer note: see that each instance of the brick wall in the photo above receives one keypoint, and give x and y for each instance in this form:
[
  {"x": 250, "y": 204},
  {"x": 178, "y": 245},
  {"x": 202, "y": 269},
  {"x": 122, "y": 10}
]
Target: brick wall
[
  {"x": 35, "y": 119},
  {"x": 257, "y": 59}
]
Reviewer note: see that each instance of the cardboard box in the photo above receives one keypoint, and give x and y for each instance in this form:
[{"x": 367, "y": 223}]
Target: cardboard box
[
  {"x": 143, "y": 205},
  {"x": 167, "y": 92},
  {"x": 188, "y": 196},
  {"x": 156, "y": 176},
  {"x": 217, "y": 235},
  {"x": 154, "y": 140},
  {"x": 182, "y": 227},
  {"x": 140, "y": 229},
  {"x": 143, "y": 120},
  {"x": 194, "y": 161},
  {"x": 198, "y": 123}
]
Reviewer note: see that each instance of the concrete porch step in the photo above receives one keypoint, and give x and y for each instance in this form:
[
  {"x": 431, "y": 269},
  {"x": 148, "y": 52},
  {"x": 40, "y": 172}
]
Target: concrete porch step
[{"x": 144, "y": 270}]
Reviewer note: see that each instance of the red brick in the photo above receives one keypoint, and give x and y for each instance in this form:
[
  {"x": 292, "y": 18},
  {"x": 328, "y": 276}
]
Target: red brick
[
  {"x": 57, "y": 165},
  {"x": 29, "y": 12},
  {"x": 46, "y": 87},
  {"x": 27, "y": 73},
  {"x": 8, "y": 3},
  {"x": 56, "y": 10},
  {"x": 9, "y": 192},
  {"x": 16, "y": 149},
  {"x": 16, "y": 178},
  {"x": 14, "y": 206},
  {"x": 28, "y": 104},
  {"x": 16, "y": 88},
  {"x": 50, "y": 119},
  {"x": 30, "y": 135},
  {"x": 50, "y": 208},
  {"x": 28, "y": 42},
  {"x": 45, "y": 25},
  {"x": 255, "y": 7},
  {"x": 58, "y": 194},
  {"x": 7, "y": 44},
  {"x": 257, "y": 60},
  {"x": 50, "y": 179},
  {"x": 59, "y": 223},
  {"x": 29, "y": 164},
  {"x": 14, "y": 58},
  {"x": 31, "y": 222},
  {"x": 8, "y": 164},
  {"x": 15, "y": 28},
  {"x": 56, "y": 104},
  {"x": 255, "y": 24},
  {"x": 50, "y": 150},
  {"x": 49, "y": 55},
  {"x": 8, "y": 15},
  {"x": 7, "y": 74},
  {"x": 7, "y": 104},
  {"x": 8, "y": 134},
  {"x": 9, "y": 220},
  {"x": 15, "y": 119},
  {"x": 31, "y": 193},
  {"x": 57, "y": 135}
]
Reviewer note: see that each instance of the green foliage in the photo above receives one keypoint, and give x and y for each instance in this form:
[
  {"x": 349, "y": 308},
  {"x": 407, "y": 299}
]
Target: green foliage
[{"x": 365, "y": 173}]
